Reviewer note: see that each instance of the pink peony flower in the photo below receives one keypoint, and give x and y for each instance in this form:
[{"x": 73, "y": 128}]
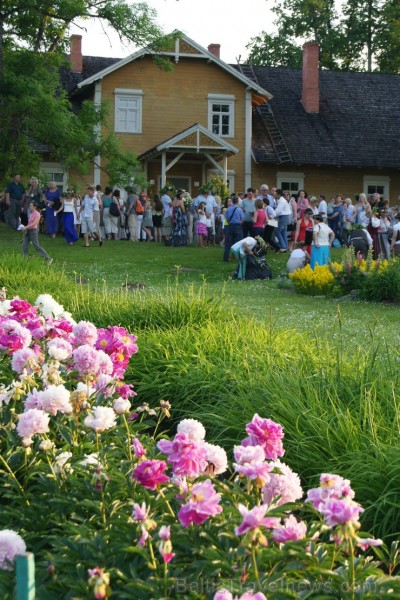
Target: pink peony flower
[
  {"x": 90, "y": 362},
  {"x": 138, "y": 448},
  {"x": 265, "y": 433},
  {"x": 285, "y": 484},
  {"x": 251, "y": 463},
  {"x": 187, "y": 457},
  {"x": 165, "y": 532},
  {"x": 11, "y": 545},
  {"x": 203, "y": 503},
  {"x": 121, "y": 406},
  {"x": 150, "y": 473},
  {"x": 226, "y": 595},
  {"x": 54, "y": 398},
  {"x": 165, "y": 546},
  {"x": 140, "y": 512},
  {"x": 25, "y": 359},
  {"x": 223, "y": 595},
  {"x": 84, "y": 333},
  {"x": 125, "y": 390},
  {"x": 365, "y": 543},
  {"x": 59, "y": 349},
  {"x": 291, "y": 531},
  {"x": 340, "y": 512},
  {"x": 13, "y": 336},
  {"x": 217, "y": 461},
  {"x": 331, "y": 486},
  {"x": 32, "y": 422},
  {"x": 248, "y": 454},
  {"x": 193, "y": 429},
  {"x": 255, "y": 518},
  {"x": 100, "y": 419},
  {"x": 59, "y": 328},
  {"x": 165, "y": 549}
]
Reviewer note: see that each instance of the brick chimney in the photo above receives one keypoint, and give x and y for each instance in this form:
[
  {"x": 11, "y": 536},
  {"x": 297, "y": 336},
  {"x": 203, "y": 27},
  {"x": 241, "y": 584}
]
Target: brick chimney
[
  {"x": 310, "y": 91},
  {"x": 75, "y": 55},
  {"x": 214, "y": 49}
]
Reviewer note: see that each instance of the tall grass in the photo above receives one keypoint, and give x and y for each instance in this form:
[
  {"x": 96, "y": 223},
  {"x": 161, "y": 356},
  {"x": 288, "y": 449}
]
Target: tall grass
[{"x": 338, "y": 406}]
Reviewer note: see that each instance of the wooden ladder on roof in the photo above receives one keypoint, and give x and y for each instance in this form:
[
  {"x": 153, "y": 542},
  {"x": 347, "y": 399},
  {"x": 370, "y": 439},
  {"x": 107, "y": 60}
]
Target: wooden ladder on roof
[{"x": 267, "y": 115}]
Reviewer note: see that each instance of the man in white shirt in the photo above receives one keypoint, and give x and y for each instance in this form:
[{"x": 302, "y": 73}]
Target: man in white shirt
[
  {"x": 282, "y": 212},
  {"x": 323, "y": 207},
  {"x": 88, "y": 207}
]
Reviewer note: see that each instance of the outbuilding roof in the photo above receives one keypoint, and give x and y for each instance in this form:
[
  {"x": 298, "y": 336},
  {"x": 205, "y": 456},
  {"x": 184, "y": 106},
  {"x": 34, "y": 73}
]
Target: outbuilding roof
[{"x": 358, "y": 124}]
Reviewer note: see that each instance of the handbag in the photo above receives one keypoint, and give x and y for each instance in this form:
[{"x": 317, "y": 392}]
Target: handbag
[
  {"x": 139, "y": 207},
  {"x": 114, "y": 210},
  {"x": 272, "y": 222}
]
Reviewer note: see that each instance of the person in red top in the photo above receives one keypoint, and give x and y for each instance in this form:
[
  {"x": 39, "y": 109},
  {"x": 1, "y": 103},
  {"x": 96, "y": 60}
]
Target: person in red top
[
  {"x": 31, "y": 234},
  {"x": 259, "y": 219}
]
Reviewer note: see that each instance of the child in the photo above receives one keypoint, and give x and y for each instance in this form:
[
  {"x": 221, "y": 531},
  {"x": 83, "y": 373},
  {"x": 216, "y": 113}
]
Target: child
[
  {"x": 202, "y": 224},
  {"x": 147, "y": 222},
  {"x": 209, "y": 228},
  {"x": 298, "y": 258}
]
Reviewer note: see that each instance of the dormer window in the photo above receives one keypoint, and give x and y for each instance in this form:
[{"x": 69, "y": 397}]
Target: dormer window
[{"x": 221, "y": 114}]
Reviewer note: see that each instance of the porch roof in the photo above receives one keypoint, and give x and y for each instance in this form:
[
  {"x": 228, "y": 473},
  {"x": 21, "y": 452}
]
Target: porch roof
[{"x": 194, "y": 140}]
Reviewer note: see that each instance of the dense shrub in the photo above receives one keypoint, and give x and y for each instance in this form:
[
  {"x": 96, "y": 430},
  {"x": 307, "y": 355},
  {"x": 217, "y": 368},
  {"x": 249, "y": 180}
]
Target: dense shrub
[{"x": 383, "y": 286}]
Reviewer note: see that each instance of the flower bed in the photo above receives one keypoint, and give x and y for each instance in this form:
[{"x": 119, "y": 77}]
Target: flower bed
[
  {"x": 106, "y": 500},
  {"x": 339, "y": 278}
]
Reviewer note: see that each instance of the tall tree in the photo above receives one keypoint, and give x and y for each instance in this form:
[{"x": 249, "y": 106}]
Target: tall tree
[
  {"x": 34, "y": 109},
  {"x": 300, "y": 19},
  {"x": 363, "y": 36},
  {"x": 275, "y": 51},
  {"x": 362, "y": 25}
]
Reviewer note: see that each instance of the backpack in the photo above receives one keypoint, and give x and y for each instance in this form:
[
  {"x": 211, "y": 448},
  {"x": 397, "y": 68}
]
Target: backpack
[{"x": 139, "y": 207}]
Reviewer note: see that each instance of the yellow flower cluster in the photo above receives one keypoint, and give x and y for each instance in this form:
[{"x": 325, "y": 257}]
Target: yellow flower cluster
[
  {"x": 369, "y": 266},
  {"x": 315, "y": 282}
]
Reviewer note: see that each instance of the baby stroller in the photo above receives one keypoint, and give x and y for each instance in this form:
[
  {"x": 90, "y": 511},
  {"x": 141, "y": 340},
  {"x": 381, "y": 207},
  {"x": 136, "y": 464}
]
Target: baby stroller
[{"x": 256, "y": 266}]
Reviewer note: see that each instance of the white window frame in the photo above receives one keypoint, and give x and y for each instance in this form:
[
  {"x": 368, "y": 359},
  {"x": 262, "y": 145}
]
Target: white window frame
[
  {"x": 228, "y": 100},
  {"x": 230, "y": 176},
  {"x": 49, "y": 169},
  {"x": 126, "y": 94},
  {"x": 290, "y": 177},
  {"x": 382, "y": 180}
]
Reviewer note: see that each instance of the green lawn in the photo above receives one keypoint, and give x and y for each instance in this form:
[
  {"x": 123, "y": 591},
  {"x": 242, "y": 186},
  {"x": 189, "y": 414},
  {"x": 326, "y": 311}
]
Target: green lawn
[{"x": 156, "y": 266}]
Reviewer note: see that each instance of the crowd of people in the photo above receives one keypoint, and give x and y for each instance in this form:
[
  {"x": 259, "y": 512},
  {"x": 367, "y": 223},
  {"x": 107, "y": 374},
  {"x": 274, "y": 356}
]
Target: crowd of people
[{"x": 304, "y": 226}]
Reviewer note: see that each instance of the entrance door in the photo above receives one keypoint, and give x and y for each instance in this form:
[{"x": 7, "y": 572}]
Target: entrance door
[{"x": 179, "y": 182}]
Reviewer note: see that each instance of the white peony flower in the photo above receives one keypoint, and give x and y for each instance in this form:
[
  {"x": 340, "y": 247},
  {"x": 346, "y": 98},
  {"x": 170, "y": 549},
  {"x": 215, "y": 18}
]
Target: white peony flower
[
  {"x": 192, "y": 428},
  {"x": 60, "y": 464},
  {"x": 48, "y": 306},
  {"x": 216, "y": 458},
  {"x": 100, "y": 419},
  {"x": 11, "y": 545},
  {"x": 121, "y": 406}
]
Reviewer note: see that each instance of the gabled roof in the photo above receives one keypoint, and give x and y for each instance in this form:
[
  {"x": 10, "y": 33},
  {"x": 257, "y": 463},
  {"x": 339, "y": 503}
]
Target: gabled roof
[
  {"x": 184, "y": 47},
  {"x": 194, "y": 139},
  {"x": 358, "y": 123}
]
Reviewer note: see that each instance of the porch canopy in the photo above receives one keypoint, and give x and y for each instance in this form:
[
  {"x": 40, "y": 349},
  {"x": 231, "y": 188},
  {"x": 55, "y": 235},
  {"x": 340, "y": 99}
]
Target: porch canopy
[{"x": 195, "y": 144}]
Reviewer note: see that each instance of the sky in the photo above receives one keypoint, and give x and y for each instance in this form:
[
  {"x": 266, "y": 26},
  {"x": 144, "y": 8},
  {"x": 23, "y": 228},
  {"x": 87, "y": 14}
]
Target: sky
[{"x": 231, "y": 23}]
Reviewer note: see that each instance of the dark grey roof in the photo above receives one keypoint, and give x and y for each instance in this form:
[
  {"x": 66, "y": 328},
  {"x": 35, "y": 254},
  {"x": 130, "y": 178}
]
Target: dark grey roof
[
  {"x": 358, "y": 123},
  {"x": 91, "y": 65}
]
